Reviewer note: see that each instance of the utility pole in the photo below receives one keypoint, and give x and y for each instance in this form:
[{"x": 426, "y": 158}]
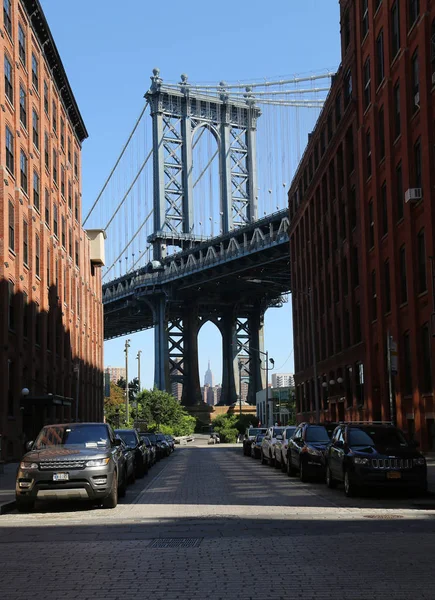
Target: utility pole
[
  {"x": 240, "y": 387},
  {"x": 127, "y": 346},
  {"x": 139, "y": 352}
]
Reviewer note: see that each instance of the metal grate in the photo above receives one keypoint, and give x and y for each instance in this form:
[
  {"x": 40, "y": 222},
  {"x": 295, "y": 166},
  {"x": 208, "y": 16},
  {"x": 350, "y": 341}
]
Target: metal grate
[
  {"x": 53, "y": 465},
  {"x": 392, "y": 463},
  {"x": 176, "y": 543}
]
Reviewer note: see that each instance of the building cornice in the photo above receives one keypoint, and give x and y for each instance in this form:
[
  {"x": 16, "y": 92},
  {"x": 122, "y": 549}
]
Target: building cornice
[{"x": 42, "y": 30}]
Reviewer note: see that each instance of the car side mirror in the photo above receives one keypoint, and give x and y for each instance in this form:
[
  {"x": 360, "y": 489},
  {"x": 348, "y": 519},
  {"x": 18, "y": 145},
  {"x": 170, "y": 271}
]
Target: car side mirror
[
  {"x": 339, "y": 444},
  {"x": 29, "y": 445},
  {"x": 118, "y": 442}
]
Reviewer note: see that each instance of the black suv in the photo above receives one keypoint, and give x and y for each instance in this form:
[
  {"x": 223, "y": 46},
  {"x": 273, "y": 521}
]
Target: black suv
[
  {"x": 363, "y": 455},
  {"x": 305, "y": 452},
  {"x": 74, "y": 460},
  {"x": 137, "y": 445}
]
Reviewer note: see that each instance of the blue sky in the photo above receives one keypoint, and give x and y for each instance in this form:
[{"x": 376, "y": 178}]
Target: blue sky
[{"x": 109, "y": 49}]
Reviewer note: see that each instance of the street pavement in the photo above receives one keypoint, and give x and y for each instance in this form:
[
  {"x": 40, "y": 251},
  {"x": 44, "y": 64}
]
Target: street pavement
[{"x": 209, "y": 522}]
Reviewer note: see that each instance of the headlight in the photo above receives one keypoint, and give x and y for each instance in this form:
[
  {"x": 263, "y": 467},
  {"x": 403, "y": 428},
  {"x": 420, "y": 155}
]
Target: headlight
[
  {"x": 28, "y": 465},
  {"x": 314, "y": 451},
  {"x": 419, "y": 461},
  {"x": 98, "y": 462},
  {"x": 360, "y": 461}
]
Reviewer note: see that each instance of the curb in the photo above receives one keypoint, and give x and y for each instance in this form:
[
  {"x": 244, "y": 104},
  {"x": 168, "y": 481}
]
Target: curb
[{"x": 7, "y": 507}]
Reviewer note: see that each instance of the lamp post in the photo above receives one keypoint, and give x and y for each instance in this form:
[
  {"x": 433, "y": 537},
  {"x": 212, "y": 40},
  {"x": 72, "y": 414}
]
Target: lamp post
[
  {"x": 127, "y": 407},
  {"x": 139, "y": 352},
  {"x": 240, "y": 385},
  {"x": 272, "y": 362}
]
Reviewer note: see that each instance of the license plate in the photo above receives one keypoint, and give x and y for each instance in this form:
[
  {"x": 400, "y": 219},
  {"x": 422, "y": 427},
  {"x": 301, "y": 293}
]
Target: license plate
[
  {"x": 394, "y": 475},
  {"x": 60, "y": 476}
]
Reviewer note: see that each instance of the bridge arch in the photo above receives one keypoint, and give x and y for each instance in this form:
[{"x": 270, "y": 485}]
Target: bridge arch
[{"x": 210, "y": 345}]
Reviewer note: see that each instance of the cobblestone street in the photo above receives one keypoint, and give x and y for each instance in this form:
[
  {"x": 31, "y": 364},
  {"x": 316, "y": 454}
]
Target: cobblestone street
[{"x": 246, "y": 531}]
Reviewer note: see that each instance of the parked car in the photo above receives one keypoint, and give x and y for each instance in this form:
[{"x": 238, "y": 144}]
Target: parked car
[
  {"x": 268, "y": 445},
  {"x": 72, "y": 460},
  {"x": 281, "y": 447},
  {"x": 153, "y": 439},
  {"x": 166, "y": 451},
  {"x": 306, "y": 451},
  {"x": 171, "y": 442},
  {"x": 152, "y": 452},
  {"x": 130, "y": 465},
  {"x": 135, "y": 443},
  {"x": 374, "y": 455},
  {"x": 250, "y": 436},
  {"x": 256, "y": 445}
]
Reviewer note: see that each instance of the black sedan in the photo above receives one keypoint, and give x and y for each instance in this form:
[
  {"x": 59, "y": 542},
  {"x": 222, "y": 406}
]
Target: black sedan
[
  {"x": 130, "y": 465},
  {"x": 136, "y": 444},
  {"x": 154, "y": 442},
  {"x": 256, "y": 445},
  {"x": 374, "y": 455},
  {"x": 306, "y": 451}
]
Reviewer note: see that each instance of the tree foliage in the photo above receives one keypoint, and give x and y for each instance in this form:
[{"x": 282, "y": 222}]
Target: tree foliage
[{"x": 160, "y": 411}]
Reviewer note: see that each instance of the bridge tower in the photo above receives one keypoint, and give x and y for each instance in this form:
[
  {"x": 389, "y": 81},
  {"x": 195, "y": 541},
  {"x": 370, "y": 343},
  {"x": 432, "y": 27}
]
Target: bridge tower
[{"x": 178, "y": 112}]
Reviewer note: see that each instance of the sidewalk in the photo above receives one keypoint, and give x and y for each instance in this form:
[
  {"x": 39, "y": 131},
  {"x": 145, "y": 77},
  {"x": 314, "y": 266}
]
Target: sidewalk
[{"x": 7, "y": 487}]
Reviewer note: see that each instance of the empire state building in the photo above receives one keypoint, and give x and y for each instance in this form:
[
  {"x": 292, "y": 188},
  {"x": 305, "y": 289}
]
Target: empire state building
[{"x": 208, "y": 378}]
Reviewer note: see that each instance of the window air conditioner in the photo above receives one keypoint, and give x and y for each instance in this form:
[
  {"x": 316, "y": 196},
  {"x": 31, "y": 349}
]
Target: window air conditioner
[
  {"x": 413, "y": 195},
  {"x": 417, "y": 99}
]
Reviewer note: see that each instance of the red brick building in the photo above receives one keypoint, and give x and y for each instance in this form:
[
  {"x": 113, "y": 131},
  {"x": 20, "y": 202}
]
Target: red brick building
[
  {"x": 51, "y": 336},
  {"x": 362, "y": 206}
]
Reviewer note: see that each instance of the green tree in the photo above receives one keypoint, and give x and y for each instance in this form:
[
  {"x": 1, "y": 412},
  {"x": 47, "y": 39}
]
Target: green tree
[
  {"x": 162, "y": 412},
  {"x": 226, "y": 426},
  {"x": 114, "y": 406}
]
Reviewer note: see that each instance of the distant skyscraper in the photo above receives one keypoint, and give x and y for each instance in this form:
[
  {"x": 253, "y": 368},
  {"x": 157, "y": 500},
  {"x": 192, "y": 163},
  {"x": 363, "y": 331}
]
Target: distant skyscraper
[
  {"x": 208, "y": 378},
  {"x": 282, "y": 380}
]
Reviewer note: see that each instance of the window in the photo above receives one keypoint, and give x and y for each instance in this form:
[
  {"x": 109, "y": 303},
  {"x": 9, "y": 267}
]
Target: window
[
  {"x": 367, "y": 83},
  {"x": 55, "y": 220},
  {"x": 46, "y": 97},
  {"x": 415, "y": 87},
  {"x": 78, "y": 301},
  {"x": 350, "y": 151},
  {"x": 417, "y": 165},
  {"x": 69, "y": 150},
  {"x": 432, "y": 48},
  {"x": 11, "y": 226},
  {"x": 347, "y": 87},
  {"x": 37, "y": 254},
  {"x": 35, "y": 120},
  {"x": 374, "y": 297},
  {"x": 357, "y": 323},
  {"x": 77, "y": 253},
  {"x": 25, "y": 315},
  {"x": 407, "y": 364},
  {"x": 399, "y": 192},
  {"x": 368, "y": 154},
  {"x": 403, "y": 281},
  {"x": 47, "y": 207},
  {"x": 76, "y": 207},
  {"x": 62, "y": 132},
  {"x": 63, "y": 232},
  {"x": 9, "y": 150},
  {"x": 70, "y": 244},
  {"x": 413, "y": 11},
  {"x": 421, "y": 257},
  {"x": 69, "y": 194},
  {"x": 23, "y": 107},
  {"x": 344, "y": 277},
  {"x": 7, "y": 16},
  {"x": 396, "y": 102},
  {"x": 54, "y": 166},
  {"x": 380, "y": 73},
  {"x": 9, "y": 90},
  {"x": 46, "y": 151},
  {"x": 11, "y": 303},
  {"x": 365, "y": 18},
  {"x": 346, "y": 30},
  {"x": 395, "y": 29},
  {"x": 76, "y": 164},
  {"x": 62, "y": 180},
  {"x": 371, "y": 225},
  {"x": 36, "y": 193},
  {"x": 22, "y": 44},
  {"x": 355, "y": 270},
  {"x": 54, "y": 115},
  {"x": 329, "y": 126},
  {"x": 426, "y": 366},
  {"x": 23, "y": 171},
  {"x": 384, "y": 207},
  {"x": 387, "y": 284},
  {"x": 381, "y": 133},
  {"x": 25, "y": 242},
  {"x": 359, "y": 383},
  {"x": 35, "y": 72},
  {"x": 65, "y": 298},
  {"x": 337, "y": 109},
  {"x": 352, "y": 207}
]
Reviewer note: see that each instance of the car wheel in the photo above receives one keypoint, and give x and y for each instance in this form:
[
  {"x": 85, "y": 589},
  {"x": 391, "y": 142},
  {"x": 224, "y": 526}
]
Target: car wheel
[
  {"x": 133, "y": 476},
  {"x": 303, "y": 472},
  {"x": 283, "y": 465},
  {"x": 263, "y": 458},
  {"x": 111, "y": 500},
  {"x": 271, "y": 460},
  {"x": 277, "y": 463},
  {"x": 24, "y": 504},
  {"x": 123, "y": 488},
  {"x": 350, "y": 489},
  {"x": 290, "y": 468},
  {"x": 330, "y": 481}
]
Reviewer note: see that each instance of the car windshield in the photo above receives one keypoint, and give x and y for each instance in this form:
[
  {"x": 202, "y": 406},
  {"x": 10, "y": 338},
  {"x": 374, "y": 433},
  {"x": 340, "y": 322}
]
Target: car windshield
[
  {"x": 146, "y": 441},
  {"x": 127, "y": 436},
  {"x": 253, "y": 431},
  {"x": 85, "y": 436},
  {"x": 317, "y": 433},
  {"x": 151, "y": 436},
  {"x": 374, "y": 436},
  {"x": 277, "y": 431},
  {"x": 259, "y": 437},
  {"x": 160, "y": 437}
]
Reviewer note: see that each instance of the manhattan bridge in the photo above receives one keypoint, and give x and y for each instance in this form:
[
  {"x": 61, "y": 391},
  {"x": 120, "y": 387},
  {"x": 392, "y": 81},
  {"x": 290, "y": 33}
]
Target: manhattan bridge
[{"x": 196, "y": 218}]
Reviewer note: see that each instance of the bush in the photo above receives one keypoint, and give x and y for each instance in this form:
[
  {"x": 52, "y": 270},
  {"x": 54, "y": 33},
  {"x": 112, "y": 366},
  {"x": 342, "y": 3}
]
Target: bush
[{"x": 228, "y": 435}]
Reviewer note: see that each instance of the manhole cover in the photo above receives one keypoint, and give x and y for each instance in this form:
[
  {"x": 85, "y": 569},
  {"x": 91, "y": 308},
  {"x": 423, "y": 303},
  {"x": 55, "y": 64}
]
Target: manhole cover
[
  {"x": 175, "y": 543},
  {"x": 383, "y": 517}
]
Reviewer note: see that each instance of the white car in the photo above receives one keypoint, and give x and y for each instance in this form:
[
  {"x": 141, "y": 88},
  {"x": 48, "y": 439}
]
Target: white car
[
  {"x": 281, "y": 446},
  {"x": 268, "y": 445}
]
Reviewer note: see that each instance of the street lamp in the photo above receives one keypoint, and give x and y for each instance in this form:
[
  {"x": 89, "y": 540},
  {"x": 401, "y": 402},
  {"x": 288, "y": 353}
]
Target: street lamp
[
  {"x": 272, "y": 362},
  {"x": 127, "y": 407}
]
